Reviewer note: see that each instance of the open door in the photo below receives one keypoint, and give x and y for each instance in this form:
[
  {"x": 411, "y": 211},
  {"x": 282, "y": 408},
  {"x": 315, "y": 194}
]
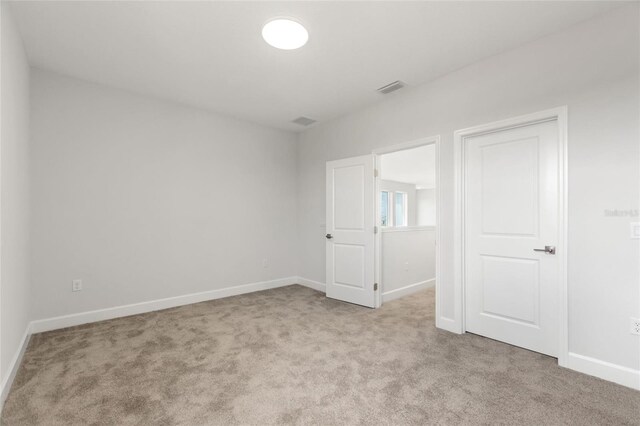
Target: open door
[{"x": 350, "y": 230}]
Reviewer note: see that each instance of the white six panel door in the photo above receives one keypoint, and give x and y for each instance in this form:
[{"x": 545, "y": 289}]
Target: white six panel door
[
  {"x": 511, "y": 208},
  {"x": 350, "y": 238}
]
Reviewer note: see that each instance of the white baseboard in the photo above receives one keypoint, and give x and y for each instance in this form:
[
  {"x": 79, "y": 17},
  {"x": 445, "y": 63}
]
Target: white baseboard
[
  {"x": 316, "y": 285},
  {"x": 407, "y": 290},
  {"x": 14, "y": 366},
  {"x": 605, "y": 370},
  {"x": 64, "y": 321}
]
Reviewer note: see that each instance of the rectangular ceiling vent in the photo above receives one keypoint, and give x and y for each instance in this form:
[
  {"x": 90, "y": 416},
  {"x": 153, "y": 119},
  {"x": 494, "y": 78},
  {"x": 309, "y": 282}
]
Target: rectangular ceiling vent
[
  {"x": 304, "y": 121},
  {"x": 391, "y": 87}
]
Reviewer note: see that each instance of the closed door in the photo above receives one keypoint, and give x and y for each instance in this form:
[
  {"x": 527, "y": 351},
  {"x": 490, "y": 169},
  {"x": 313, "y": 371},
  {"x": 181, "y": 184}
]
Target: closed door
[
  {"x": 349, "y": 238},
  {"x": 511, "y": 214}
]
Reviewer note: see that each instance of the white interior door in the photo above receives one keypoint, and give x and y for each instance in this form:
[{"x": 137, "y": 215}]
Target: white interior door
[
  {"x": 511, "y": 212},
  {"x": 350, "y": 238}
]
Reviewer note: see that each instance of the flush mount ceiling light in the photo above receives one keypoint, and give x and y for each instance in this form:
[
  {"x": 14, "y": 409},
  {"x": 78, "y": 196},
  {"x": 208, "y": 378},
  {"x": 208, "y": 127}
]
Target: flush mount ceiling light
[{"x": 285, "y": 34}]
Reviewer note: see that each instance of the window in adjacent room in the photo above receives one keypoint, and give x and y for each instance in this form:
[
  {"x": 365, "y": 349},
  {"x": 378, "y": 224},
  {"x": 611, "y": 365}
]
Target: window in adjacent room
[
  {"x": 385, "y": 210},
  {"x": 400, "y": 209}
]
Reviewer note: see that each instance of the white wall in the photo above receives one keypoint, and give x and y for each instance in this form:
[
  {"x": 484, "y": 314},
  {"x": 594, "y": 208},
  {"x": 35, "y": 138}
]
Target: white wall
[
  {"x": 14, "y": 190},
  {"x": 144, "y": 199},
  {"x": 409, "y": 189},
  {"x": 426, "y": 207},
  {"x": 408, "y": 257},
  {"x": 592, "y": 68}
]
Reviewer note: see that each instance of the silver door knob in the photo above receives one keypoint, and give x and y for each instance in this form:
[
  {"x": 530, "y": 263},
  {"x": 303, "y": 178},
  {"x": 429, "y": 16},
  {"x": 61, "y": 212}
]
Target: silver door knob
[
  {"x": 547, "y": 249},
  {"x": 329, "y": 236}
]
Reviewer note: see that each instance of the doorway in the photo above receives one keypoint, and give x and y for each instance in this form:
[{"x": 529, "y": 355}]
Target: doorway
[
  {"x": 406, "y": 217},
  {"x": 354, "y": 227},
  {"x": 407, "y": 244}
]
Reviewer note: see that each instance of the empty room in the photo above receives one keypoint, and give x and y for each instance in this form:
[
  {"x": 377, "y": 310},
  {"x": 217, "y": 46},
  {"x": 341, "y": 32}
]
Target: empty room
[{"x": 323, "y": 213}]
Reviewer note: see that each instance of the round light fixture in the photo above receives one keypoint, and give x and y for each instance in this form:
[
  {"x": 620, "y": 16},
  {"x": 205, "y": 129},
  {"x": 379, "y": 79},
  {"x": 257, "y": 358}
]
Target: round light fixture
[{"x": 285, "y": 34}]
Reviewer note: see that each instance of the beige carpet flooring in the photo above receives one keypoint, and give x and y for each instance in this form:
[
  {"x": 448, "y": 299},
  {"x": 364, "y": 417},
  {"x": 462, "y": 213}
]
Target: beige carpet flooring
[{"x": 291, "y": 356}]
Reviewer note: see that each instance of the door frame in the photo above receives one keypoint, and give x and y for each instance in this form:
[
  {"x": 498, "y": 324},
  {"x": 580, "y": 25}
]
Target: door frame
[
  {"x": 431, "y": 140},
  {"x": 559, "y": 114}
]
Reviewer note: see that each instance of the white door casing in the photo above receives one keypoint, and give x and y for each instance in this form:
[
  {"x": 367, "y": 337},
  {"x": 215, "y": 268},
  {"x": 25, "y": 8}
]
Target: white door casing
[
  {"x": 350, "y": 230},
  {"x": 511, "y": 199}
]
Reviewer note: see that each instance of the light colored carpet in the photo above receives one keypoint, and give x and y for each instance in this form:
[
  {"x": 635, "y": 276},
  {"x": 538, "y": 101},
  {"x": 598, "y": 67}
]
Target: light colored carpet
[{"x": 291, "y": 356}]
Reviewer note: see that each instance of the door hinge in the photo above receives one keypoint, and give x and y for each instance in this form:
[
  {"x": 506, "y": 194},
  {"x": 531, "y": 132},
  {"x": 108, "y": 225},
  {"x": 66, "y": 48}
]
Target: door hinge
[
  {"x": 375, "y": 229},
  {"x": 375, "y": 287},
  {"x": 375, "y": 172}
]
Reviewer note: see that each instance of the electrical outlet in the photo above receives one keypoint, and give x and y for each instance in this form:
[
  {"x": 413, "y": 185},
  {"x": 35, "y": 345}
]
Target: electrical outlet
[
  {"x": 265, "y": 263},
  {"x": 406, "y": 266},
  {"x": 635, "y": 326},
  {"x": 76, "y": 285}
]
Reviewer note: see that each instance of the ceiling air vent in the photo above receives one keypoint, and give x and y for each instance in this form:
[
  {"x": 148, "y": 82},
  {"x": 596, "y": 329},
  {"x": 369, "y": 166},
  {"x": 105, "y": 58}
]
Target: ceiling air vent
[
  {"x": 391, "y": 87},
  {"x": 304, "y": 121}
]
